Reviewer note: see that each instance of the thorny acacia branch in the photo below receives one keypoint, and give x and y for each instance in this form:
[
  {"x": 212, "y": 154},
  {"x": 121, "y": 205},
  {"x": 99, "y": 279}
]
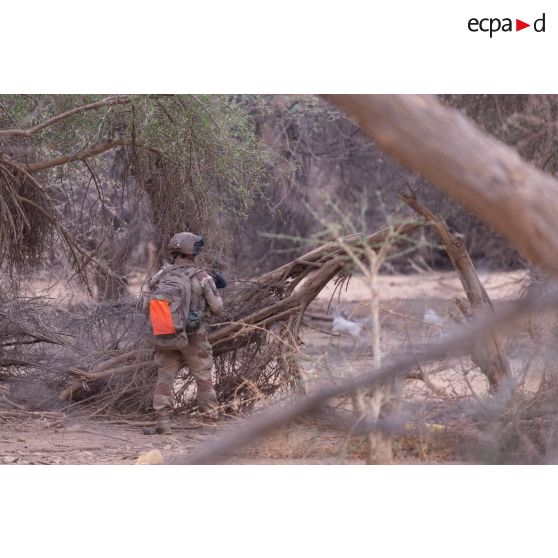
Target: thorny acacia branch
[
  {"x": 80, "y": 155},
  {"x": 91, "y": 106}
]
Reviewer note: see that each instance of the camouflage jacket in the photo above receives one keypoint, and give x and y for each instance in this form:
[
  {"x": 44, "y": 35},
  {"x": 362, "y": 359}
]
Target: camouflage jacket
[{"x": 204, "y": 296}]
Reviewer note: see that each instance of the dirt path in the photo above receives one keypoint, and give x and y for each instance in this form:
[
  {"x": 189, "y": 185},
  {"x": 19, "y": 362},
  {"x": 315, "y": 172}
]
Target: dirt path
[
  {"x": 33, "y": 441},
  {"x": 88, "y": 442}
]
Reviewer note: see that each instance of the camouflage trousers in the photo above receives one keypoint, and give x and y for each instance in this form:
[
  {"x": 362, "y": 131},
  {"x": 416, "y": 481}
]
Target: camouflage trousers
[{"x": 198, "y": 357}]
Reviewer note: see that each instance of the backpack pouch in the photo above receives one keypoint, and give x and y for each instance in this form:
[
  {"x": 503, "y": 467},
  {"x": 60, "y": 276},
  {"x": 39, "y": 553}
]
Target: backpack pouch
[{"x": 161, "y": 317}]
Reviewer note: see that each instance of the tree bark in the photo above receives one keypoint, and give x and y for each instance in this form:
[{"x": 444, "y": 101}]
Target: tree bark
[{"x": 486, "y": 176}]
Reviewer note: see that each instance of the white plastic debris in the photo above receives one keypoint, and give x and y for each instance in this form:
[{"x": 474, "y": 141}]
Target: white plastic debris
[
  {"x": 436, "y": 322},
  {"x": 431, "y": 317},
  {"x": 347, "y": 327}
]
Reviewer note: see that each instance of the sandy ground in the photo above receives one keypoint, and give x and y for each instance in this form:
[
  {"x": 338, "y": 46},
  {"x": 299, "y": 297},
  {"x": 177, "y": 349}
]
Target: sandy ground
[
  {"x": 405, "y": 300},
  {"x": 499, "y": 285}
]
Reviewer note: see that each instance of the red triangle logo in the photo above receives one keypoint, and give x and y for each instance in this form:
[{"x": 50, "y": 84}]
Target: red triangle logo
[{"x": 519, "y": 25}]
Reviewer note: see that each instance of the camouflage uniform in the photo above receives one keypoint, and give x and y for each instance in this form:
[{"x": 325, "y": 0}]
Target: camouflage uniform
[{"x": 196, "y": 354}]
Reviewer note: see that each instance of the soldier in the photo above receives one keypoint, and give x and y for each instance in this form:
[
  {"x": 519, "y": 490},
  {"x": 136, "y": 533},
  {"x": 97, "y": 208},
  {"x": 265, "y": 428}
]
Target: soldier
[{"x": 196, "y": 352}]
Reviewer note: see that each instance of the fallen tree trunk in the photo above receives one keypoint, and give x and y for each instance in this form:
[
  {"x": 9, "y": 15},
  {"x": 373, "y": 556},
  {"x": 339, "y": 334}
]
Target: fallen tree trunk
[
  {"x": 486, "y": 176},
  {"x": 317, "y": 257},
  {"x": 319, "y": 266},
  {"x": 489, "y": 353},
  {"x": 87, "y": 377}
]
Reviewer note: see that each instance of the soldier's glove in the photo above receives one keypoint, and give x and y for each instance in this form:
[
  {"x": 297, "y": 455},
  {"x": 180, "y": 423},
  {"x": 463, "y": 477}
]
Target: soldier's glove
[{"x": 219, "y": 279}]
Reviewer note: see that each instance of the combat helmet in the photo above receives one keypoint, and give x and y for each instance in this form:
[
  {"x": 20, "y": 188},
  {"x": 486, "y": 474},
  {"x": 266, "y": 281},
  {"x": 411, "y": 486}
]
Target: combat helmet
[{"x": 186, "y": 243}]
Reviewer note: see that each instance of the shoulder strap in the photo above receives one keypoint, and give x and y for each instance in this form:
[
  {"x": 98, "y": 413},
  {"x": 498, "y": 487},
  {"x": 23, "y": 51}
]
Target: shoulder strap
[{"x": 159, "y": 275}]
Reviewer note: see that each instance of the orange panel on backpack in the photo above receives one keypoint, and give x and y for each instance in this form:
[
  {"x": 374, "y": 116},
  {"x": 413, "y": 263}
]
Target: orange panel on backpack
[{"x": 161, "y": 317}]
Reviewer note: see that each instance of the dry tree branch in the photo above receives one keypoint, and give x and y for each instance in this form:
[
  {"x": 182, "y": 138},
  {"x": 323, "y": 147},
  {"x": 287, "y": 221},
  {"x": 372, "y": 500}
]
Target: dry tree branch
[
  {"x": 77, "y": 386},
  {"x": 490, "y": 353},
  {"x": 331, "y": 249},
  {"x": 53, "y": 217},
  {"x": 277, "y": 416},
  {"x": 106, "y": 370},
  {"x": 84, "y": 108},
  {"x": 325, "y": 261},
  {"x": 56, "y": 221},
  {"x": 79, "y": 156}
]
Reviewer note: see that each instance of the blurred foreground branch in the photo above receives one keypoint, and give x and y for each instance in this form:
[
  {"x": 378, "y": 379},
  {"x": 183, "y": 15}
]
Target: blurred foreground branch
[{"x": 277, "y": 416}]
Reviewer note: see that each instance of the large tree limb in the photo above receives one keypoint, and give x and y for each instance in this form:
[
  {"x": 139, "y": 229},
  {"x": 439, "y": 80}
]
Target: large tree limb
[
  {"x": 325, "y": 262},
  {"x": 486, "y": 176},
  {"x": 331, "y": 249}
]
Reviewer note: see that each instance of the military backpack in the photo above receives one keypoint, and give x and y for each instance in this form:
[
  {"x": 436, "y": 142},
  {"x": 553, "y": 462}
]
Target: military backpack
[{"x": 169, "y": 317}]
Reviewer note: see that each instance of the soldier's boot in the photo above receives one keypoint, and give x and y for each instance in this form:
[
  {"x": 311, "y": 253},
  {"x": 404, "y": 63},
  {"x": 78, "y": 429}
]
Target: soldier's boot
[
  {"x": 162, "y": 425},
  {"x": 208, "y": 409}
]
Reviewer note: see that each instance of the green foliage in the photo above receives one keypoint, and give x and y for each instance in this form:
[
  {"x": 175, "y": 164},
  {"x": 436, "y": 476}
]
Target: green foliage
[
  {"x": 210, "y": 142},
  {"x": 194, "y": 161}
]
